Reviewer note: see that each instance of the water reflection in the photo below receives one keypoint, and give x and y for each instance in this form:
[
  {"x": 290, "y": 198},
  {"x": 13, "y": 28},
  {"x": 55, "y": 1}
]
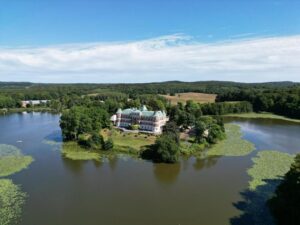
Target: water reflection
[
  {"x": 54, "y": 136},
  {"x": 75, "y": 166},
  {"x": 113, "y": 162},
  {"x": 253, "y": 200},
  {"x": 166, "y": 173},
  {"x": 205, "y": 163}
]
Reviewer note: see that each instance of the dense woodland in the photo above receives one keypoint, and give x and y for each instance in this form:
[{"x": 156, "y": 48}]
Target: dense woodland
[
  {"x": 285, "y": 101},
  {"x": 278, "y": 97}
]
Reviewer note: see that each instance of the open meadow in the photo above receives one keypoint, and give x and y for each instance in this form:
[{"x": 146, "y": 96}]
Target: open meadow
[{"x": 196, "y": 97}]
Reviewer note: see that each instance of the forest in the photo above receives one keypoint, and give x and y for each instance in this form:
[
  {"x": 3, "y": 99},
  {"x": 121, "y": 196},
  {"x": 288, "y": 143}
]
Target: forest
[{"x": 281, "y": 98}]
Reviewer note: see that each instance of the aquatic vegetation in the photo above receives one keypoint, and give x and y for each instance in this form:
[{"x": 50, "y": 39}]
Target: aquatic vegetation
[
  {"x": 12, "y": 160},
  {"x": 233, "y": 145},
  {"x": 56, "y": 146},
  {"x": 72, "y": 150},
  {"x": 268, "y": 165},
  {"x": 11, "y": 202},
  {"x": 261, "y": 116}
]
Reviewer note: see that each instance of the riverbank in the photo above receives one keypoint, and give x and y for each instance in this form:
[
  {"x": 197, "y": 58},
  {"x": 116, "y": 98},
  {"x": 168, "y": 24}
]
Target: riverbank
[
  {"x": 263, "y": 115},
  {"x": 20, "y": 110}
]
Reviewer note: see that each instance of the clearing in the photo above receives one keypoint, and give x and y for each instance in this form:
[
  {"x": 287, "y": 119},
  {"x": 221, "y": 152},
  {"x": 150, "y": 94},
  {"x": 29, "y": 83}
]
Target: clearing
[
  {"x": 126, "y": 139},
  {"x": 196, "y": 97}
]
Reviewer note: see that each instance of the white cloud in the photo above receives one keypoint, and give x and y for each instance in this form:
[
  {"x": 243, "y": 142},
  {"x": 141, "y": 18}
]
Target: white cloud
[{"x": 174, "y": 57}]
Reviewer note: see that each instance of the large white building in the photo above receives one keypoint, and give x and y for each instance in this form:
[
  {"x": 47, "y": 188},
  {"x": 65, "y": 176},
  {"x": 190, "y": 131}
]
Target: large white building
[{"x": 150, "y": 121}]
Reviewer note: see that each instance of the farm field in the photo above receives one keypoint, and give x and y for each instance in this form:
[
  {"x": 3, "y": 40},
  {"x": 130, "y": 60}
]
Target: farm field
[{"x": 196, "y": 97}]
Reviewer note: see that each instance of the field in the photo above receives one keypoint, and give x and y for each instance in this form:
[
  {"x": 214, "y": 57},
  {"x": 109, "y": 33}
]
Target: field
[
  {"x": 134, "y": 141},
  {"x": 196, "y": 97}
]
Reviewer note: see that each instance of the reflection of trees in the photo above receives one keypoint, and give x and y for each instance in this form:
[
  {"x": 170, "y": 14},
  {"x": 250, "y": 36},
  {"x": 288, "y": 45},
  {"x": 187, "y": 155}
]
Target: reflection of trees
[
  {"x": 113, "y": 162},
  {"x": 166, "y": 173},
  {"x": 73, "y": 165},
  {"x": 54, "y": 136},
  {"x": 205, "y": 163},
  {"x": 253, "y": 206},
  {"x": 98, "y": 163}
]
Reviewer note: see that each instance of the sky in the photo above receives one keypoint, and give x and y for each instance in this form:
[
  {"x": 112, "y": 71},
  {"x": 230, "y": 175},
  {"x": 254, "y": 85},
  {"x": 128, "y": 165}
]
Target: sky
[{"x": 112, "y": 41}]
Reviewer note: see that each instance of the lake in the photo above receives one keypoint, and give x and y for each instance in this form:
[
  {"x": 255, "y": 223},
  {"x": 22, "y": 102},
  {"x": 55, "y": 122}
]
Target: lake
[{"x": 131, "y": 191}]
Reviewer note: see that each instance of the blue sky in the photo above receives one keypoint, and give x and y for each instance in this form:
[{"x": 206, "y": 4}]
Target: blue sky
[{"x": 133, "y": 40}]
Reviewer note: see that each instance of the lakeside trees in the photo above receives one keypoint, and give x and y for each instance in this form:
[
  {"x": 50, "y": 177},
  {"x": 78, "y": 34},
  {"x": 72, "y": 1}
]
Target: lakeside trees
[
  {"x": 285, "y": 205},
  {"x": 284, "y": 102},
  {"x": 209, "y": 129},
  {"x": 80, "y": 120},
  {"x": 166, "y": 147},
  {"x": 187, "y": 115}
]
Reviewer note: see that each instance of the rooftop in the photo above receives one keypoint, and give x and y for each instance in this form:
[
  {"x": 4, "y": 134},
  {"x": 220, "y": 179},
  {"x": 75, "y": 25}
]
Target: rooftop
[{"x": 142, "y": 111}]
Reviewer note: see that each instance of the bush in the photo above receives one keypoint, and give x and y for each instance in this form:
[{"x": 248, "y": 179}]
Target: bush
[
  {"x": 166, "y": 149},
  {"x": 109, "y": 144}
]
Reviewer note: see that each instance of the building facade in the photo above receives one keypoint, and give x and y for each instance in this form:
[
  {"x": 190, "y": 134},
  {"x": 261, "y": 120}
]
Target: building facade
[
  {"x": 150, "y": 121},
  {"x": 24, "y": 104}
]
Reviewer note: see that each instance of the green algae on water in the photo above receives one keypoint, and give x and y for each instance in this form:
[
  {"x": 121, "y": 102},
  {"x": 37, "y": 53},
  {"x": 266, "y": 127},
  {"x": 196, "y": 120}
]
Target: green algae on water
[
  {"x": 269, "y": 165},
  {"x": 12, "y": 200},
  {"x": 233, "y": 145},
  {"x": 12, "y": 160}
]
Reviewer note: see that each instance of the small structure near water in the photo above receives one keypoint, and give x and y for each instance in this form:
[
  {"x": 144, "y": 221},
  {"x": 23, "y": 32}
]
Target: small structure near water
[{"x": 24, "y": 104}]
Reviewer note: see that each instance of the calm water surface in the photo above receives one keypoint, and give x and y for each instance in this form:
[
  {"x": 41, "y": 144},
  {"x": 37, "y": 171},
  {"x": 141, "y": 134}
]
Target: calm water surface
[{"x": 134, "y": 192}]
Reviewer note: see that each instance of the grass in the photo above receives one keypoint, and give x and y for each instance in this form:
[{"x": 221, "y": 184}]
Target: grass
[
  {"x": 233, "y": 145},
  {"x": 12, "y": 160},
  {"x": 268, "y": 165},
  {"x": 11, "y": 202},
  {"x": 124, "y": 143},
  {"x": 134, "y": 142},
  {"x": 72, "y": 150},
  {"x": 187, "y": 148},
  {"x": 262, "y": 115},
  {"x": 196, "y": 97}
]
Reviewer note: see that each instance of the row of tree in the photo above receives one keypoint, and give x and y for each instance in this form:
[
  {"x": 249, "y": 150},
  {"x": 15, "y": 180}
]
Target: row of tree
[
  {"x": 285, "y": 102},
  {"x": 186, "y": 115}
]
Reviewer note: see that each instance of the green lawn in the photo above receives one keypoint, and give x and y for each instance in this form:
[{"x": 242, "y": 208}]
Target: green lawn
[
  {"x": 134, "y": 141},
  {"x": 261, "y": 116}
]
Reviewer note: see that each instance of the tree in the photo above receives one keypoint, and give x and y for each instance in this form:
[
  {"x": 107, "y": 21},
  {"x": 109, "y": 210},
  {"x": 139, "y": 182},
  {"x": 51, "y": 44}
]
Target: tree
[
  {"x": 166, "y": 149},
  {"x": 82, "y": 120},
  {"x": 285, "y": 205},
  {"x": 171, "y": 130},
  {"x": 200, "y": 128}
]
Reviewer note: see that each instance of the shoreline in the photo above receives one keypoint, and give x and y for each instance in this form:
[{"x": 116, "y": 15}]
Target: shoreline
[{"x": 263, "y": 115}]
